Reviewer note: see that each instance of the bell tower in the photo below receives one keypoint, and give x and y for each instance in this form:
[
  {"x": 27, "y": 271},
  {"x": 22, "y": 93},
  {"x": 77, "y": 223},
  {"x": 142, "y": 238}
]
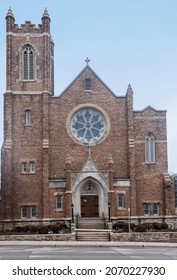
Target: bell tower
[
  {"x": 29, "y": 86},
  {"x": 30, "y": 56}
]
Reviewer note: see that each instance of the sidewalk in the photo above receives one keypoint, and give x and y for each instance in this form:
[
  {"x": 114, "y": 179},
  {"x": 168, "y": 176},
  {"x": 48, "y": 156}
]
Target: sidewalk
[{"x": 86, "y": 244}]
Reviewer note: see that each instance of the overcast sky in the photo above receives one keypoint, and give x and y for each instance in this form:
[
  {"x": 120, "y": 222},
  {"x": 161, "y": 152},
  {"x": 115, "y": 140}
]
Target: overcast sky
[{"x": 127, "y": 41}]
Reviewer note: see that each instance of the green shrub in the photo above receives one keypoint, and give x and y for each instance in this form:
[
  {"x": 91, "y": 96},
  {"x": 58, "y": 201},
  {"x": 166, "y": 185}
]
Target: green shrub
[
  {"x": 117, "y": 226},
  {"x": 164, "y": 225},
  {"x": 55, "y": 228},
  {"x": 125, "y": 227},
  {"x": 157, "y": 226},
  {"x": 33, "y": 229},
  {"x": 140, "y": 228},
  {"x": 43, "y": 230},
  {"x": 18, "y": 229},
  {"x": 149, "y": 226},
  {"x": 25, "y": 228}
]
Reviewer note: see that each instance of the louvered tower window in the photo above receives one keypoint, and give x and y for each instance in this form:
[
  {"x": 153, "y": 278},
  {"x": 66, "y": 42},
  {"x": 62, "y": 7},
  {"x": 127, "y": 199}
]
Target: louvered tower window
[{"x": 28, "y": 63}]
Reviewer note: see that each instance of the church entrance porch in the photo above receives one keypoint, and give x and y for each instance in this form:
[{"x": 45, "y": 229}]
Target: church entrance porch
[
  {"x": 90, "y": 192},
  {"x": 89, "y": 206}
]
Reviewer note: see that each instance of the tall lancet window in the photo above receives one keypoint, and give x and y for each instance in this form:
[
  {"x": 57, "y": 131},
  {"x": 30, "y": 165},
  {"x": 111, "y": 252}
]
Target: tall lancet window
[
  {"x": 28, "y": 63},
  {"x": 149, "y": 148}
]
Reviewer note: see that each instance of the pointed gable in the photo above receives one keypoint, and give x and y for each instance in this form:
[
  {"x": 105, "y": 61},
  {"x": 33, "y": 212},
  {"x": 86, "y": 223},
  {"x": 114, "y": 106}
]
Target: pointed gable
[
  {"x": 96, "y": 83},
  {"x": 89, "y": 166}
]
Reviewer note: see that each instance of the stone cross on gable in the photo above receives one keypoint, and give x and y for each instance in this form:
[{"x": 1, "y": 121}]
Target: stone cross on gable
[{"x": 87, "y": 60}]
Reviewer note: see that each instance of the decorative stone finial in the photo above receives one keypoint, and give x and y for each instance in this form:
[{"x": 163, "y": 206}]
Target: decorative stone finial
[
  {"x": 129, "y": 89},
  {"x": 45, "y": 14},
  {"x": 110, "y": 159},
  {"x": 10, "y": 13}
]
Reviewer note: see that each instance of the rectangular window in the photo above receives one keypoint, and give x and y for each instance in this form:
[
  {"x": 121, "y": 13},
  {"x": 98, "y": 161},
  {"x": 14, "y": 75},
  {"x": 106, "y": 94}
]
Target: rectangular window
[
  {"x": 33, "y": 212},
  {"x": 88, "y": 85},
  {"x": 24, "y": 212},
  {"x": 120, "y": 201},
  {"x": 28, "y": 117},
  {"x": 156, "y": 209},
  {"x": 146, "y": 209},
  {"x": 58, "y": 202},
  {"x": 24, "y": 167},
  {"x": 32, "y": 167}
]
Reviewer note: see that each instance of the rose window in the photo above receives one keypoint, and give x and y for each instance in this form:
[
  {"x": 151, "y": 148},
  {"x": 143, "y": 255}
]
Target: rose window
[{"x": 88, "y": 125}]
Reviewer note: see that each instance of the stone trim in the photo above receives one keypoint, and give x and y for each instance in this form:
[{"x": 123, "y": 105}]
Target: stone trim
[
  {"x": 45, "y": 143},
  {"x": 8, "y": 144}
]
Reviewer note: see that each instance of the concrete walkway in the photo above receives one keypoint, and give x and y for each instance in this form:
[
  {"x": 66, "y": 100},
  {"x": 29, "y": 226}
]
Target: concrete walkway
[{"x": 86, "y": 243}]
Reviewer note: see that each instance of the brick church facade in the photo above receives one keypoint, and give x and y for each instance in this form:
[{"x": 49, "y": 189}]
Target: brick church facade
[{"x": 84, "y": 153}]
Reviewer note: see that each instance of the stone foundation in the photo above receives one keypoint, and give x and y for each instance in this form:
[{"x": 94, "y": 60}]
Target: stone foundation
[
  {"x": 144, "y": 237},
  {"x": 114, "y": 237},
  {"x": 39, "y": 237}
]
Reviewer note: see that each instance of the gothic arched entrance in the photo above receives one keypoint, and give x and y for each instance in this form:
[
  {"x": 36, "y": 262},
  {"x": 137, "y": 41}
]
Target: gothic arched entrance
[{"x": 90, "y": 197}]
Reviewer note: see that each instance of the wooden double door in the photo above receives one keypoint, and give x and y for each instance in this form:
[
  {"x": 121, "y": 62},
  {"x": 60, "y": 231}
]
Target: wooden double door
[{"x": 89, "y": 206}]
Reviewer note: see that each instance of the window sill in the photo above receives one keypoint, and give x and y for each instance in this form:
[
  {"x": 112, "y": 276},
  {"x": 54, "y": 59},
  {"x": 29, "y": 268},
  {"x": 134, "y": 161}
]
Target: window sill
[
  {"x": 28, "y": 81},
  {"x": 121, "y": 208},
  {"x": 59, "y": 210},
  {"x": 149, "y": 163},
  {"x": 88, "y": 90},
  {"x": 28, "y": 173}
]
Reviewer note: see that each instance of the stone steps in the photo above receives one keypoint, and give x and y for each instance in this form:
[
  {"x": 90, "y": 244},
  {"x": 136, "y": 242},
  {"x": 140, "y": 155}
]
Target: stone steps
[
  {"x": 92, "y": 235},
  {"x": 92, "y": 229},
  {"x": 91, "y": 224}
]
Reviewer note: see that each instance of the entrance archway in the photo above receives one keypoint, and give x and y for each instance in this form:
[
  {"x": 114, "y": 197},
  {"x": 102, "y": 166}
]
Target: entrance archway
[{"x": 90, "y": 198}]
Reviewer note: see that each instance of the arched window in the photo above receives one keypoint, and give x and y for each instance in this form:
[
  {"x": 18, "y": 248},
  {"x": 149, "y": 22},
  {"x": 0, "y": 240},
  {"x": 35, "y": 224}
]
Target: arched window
[
  {"x": 120, "y": 201},
  {"x": 58, "y": 202},
  {"x": 28, "y": 63},
  {"x": 150, "y": 148}
]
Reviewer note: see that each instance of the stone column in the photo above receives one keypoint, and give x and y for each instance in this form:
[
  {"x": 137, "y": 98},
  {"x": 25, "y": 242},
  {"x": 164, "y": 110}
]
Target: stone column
[
  {"x": 169, "y": 196},
  {"x": 131, "y": 149},
  {"x": 111, "y": 193},
  {"x": 68, "y": 192}
]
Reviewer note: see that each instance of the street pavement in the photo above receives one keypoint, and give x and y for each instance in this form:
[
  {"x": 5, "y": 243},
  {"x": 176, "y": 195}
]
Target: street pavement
[
  {"x": 86, "y": 244},
  {"x": 86, "y": 251}
]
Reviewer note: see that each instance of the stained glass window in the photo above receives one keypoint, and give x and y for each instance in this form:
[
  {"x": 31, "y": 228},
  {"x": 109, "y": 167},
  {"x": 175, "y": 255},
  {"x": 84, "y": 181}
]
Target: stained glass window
[{"x": 88, "y": 125}]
